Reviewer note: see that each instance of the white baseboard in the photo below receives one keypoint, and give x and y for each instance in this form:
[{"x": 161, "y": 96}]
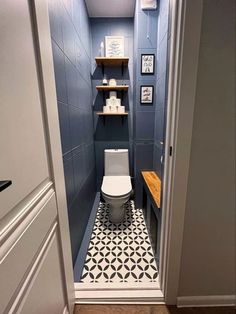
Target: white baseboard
[{"x": 209, "y": 300}]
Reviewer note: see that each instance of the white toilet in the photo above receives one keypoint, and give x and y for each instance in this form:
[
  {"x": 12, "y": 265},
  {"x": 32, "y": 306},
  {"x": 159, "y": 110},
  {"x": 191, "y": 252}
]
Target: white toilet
[{"x": 116, "y": 184}]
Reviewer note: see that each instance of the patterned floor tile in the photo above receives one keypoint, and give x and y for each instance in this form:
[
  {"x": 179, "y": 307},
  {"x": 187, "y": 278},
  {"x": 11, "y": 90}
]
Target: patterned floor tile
[{"x": 120, "y": 252}]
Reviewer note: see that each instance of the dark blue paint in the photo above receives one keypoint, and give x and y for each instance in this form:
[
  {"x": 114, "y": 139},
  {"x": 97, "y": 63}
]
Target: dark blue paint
[
  {"x": 161, "y": 86},
  {"x": 70, "y": 31}
]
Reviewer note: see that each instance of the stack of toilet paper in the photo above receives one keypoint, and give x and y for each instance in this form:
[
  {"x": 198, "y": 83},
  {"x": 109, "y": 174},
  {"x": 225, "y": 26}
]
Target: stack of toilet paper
[{"x": 113, "y": 104}]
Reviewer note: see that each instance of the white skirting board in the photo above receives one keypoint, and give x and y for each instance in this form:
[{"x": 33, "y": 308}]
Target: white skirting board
[{"x": 208, "y": 300}]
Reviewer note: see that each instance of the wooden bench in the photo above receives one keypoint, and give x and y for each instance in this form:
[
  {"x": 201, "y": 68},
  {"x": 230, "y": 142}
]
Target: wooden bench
[
  {"x": 151, "y": 197},
  {"x": 153, "y": 183}
]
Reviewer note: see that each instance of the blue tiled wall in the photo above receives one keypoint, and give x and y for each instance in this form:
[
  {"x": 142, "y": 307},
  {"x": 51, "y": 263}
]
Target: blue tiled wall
[
  {"x": 163, "y": 40},
  {"x": 70, "y": 33},
  {"x": 112, "y": 133},
  {"x": 145, "y": 41}
]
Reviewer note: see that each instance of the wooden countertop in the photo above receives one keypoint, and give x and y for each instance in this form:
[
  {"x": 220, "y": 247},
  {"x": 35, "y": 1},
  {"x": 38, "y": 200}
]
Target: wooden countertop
[{"x": 153, "y": 182}]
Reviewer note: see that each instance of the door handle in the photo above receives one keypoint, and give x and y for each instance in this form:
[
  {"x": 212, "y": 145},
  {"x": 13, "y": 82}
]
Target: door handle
[{"x": 5, "y": 184}]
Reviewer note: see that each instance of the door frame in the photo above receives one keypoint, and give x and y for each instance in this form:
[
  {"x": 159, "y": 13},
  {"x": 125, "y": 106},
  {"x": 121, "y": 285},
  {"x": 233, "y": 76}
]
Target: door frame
[
  {"x": 186, "y": 16},
  {"x": 185, "y": 41},
  {"x": 42, "y": 36}
]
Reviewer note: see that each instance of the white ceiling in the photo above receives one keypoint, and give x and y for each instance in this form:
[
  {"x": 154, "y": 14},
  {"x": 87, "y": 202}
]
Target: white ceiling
[{"x": 110, "y": 8}]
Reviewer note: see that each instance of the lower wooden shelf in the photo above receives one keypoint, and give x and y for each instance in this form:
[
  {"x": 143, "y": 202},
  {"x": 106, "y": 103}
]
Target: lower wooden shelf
[
  {"x": 109, "y": 114},
  {"x": 100, "y": 113}
]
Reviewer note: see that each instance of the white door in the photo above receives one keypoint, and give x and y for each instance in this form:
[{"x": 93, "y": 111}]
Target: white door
[{"x": 35, "y": 257}]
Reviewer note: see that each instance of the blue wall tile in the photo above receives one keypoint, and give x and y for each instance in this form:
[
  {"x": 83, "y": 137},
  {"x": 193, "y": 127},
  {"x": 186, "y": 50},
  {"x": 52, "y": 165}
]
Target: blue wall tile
[
  {"x": 145, "y": 41},
  {"x": 144, "y": 125},
  {"x": 143, "y": 153},
  {"x": 70, "y": 31},
  {"x": 69, "y": 177},
  {"x": 69, "y": 34},
  {"x": 147, "y": 29},
  {"x": 63, "y": 112},
  {"x": 72, "y": 83},
  {"x": 59, "y": 69},
  {"x": 162, "y": 56},
  {"x": 78, "y": 218},
  {"x": 163, "y": 19},
  {"x": 55, "y": 16}
]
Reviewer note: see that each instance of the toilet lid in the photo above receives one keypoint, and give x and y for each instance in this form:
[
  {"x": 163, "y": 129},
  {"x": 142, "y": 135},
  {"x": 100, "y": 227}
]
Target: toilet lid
[{"x": 116, "y": 185}]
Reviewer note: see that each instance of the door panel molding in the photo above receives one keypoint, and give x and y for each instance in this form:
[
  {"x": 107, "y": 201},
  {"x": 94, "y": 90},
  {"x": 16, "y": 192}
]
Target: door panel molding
[
  {"x": 19, "y": 251},
  {"x": 21, "y": 292},
  {"x": 35, "y": 252},
  {"x": 23, "y": 209}
]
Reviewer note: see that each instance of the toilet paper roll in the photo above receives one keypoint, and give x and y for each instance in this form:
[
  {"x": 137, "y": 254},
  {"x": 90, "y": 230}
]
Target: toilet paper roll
[
  {"x": 121, "y": 109},
  {"x": 113, "y": 95}
]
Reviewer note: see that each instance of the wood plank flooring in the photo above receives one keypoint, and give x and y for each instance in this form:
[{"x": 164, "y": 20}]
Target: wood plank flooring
[{"x": 149, "y": 309}]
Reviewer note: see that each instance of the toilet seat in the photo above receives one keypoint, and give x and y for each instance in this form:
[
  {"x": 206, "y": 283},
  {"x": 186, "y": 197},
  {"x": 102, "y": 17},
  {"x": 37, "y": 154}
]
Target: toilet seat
[{"x": 116, "y": 186}]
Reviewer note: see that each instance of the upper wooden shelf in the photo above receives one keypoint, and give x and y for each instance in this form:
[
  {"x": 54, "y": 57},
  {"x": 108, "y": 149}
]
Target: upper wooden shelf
[
  {"x": 112, "y": 88},
  {"x": 105, "y": 61}
]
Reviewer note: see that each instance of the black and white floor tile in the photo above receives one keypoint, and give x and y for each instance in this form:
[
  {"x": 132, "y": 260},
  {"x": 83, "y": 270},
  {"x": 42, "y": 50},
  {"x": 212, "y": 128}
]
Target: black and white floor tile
[{"x": 120, "y": 252}]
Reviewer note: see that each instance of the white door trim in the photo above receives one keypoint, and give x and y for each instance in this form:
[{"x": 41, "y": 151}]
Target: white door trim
[
  {"x": 184, "y": 50},
  {"x": 44, "y": 51},
  {"x": 186, "y": 26}
]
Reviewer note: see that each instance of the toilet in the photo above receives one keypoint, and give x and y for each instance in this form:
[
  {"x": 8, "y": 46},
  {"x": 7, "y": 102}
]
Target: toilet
[{"x": 116, "y": 185}]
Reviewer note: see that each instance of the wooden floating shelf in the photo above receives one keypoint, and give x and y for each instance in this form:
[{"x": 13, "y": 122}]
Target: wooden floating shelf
[
  {"x": 112, "y": 88},
  {"x": 105, "y": 61},
  {"x": 112, "y": 113}
]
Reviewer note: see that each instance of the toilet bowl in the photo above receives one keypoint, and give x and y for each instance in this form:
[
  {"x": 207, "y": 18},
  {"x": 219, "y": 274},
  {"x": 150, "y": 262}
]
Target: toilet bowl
[
  {"x": 116, "y": 191},
  {"x": 116, "y": 185}
]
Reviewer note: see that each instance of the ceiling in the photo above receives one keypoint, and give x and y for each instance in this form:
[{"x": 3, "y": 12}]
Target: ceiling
[{"x": 110, "y": 8}]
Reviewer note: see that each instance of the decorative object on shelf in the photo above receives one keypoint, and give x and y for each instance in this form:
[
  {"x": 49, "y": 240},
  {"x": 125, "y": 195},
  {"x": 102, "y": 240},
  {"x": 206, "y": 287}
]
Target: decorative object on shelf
[
  {"x": 148, "y": 4},
  {"x": 147, "y": 64},
  {"x": 102, "y": 51},
  {"x": 104, "y": 81},
  {"x": 146, "y": 94},
  {"x": 114, "y": 46},
  {"x": 112, "y": 82}
]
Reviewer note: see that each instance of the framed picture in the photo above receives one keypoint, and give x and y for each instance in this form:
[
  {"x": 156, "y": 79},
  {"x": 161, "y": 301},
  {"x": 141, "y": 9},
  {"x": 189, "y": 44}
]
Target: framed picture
[
  {"x": 114, "y": 46},
  {"x": 146, "y": 94},
  {"x": 147, "y": 64}
]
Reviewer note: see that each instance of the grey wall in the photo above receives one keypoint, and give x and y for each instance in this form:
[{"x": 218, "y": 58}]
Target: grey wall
[
  {"x": 163, "y": 41},
  {"x": 70, "y": 34},
  {"x": 208, "y": 252},
  {"x": 145, "y": 41},
  {"x": 112, "y": 134}
]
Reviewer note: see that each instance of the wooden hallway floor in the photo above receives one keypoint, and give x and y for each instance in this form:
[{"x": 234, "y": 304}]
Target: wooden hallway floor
[{"x": 149, "y": 309}]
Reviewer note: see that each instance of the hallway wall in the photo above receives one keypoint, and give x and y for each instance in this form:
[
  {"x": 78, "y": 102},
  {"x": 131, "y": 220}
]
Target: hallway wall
[
  {"x": 208, "y": 251},
  {"x": 70, "y": 32},
  {"x": 112, "y": 133}
]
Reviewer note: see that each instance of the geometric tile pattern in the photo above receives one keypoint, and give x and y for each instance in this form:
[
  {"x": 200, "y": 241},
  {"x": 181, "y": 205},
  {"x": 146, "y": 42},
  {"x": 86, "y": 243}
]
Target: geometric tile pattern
[{"x": 120, "y": 252}]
